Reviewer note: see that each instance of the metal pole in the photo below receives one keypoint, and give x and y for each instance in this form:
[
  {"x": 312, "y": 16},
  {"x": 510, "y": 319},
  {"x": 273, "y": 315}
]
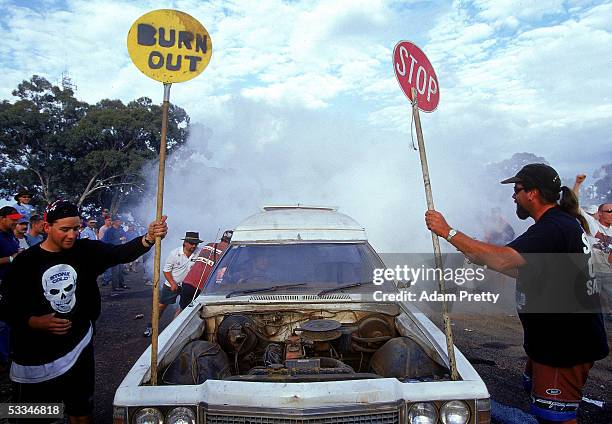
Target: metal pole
[
  {"x": 158, "y": 216},
  {"x": 436, "y": 242}
]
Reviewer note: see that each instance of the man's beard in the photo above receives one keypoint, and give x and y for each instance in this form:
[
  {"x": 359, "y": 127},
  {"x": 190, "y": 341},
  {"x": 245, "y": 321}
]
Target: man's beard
[{"x": 521, "y": 212}]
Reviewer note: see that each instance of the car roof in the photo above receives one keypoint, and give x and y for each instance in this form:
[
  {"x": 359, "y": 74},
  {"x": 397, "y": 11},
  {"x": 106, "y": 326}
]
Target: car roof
[{"x": 297, "y": 223}]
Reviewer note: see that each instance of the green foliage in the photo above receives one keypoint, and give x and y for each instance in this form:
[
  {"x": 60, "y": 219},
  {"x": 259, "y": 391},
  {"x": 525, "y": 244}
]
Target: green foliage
[{"x": 61, "y": 147}]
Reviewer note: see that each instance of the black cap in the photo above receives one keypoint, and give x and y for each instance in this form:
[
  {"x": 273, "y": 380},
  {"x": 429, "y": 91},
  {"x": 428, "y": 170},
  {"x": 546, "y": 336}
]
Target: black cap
[
  {"x": 537, "y": 175},
  {"x": 227, "y": 235},
  {"x": 22, "y": 192},
  {"x": 61, "y": 209}
]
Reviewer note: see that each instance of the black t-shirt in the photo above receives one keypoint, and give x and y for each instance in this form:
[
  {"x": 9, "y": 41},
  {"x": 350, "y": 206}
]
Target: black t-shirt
[
  {"x": 40, "y": 282},
  {"x": 557, "y": 297}
]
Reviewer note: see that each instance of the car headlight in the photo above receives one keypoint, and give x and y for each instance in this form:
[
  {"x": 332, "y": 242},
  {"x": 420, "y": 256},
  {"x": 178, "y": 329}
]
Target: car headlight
[
  {"x": 454, "y": 412},
  {"x": 148, "y": 416},
  {"x": 422, "y": 413},
  {"x": 181, "y": 415}
]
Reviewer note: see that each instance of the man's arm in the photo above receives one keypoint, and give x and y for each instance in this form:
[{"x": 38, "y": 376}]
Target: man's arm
[
  {"x": 124, "y": 253},
  {"x": 499, "y": 258},
  {"x": 8, "y": 259},
  {"x": 577, "y": 183}
]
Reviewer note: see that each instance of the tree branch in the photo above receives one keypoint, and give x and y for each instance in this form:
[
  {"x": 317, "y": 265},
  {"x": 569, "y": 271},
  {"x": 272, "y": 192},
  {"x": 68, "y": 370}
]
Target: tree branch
[{"x": 112, "y": 185}]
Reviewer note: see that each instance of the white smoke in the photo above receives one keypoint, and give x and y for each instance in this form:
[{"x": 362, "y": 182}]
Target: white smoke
[{"x": 254, "y": 154}]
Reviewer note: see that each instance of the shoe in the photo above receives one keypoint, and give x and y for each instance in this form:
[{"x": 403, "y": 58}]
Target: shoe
[
  {"x": 149, "y": 283},
  {"x": 148, "y": 332},
  {"x": 126, "y": 287},
  {"x": 105, "y": 283}
]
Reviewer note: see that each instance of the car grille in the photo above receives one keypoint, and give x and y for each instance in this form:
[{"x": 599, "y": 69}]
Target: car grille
[{"x": 375, "y": 415}]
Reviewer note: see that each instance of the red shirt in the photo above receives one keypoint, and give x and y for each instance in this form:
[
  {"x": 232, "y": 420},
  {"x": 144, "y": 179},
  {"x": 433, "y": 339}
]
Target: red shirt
[{"x": 204, "y": 264}]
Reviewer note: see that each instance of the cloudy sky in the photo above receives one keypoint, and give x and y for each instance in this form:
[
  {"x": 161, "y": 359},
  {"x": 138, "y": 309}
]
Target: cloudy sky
[{"x": 300, "y": 104}]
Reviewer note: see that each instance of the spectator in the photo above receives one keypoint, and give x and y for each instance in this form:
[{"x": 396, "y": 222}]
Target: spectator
[
  {"x": 551, "y": 262},
  {"x": 116, "y": 236},
  {"x": 9, "y": 245},
  {"x": 497, "y": 229},
  {"x": 53, "y": 337},
  {"x": 90, "y": 232},
  {"x": 9, "y": 249},
  {"x": 23, "y": 207},
  {"x": 21, "y": 228},
  {"x": 178, "y": 264},
  {"x": 108, "y": 221},
  {"x": 600, "y": 238},
  {"x": 102, "y": 218},
  {"x": 131, "y": 234},
  {"x": 107, "y": 276},
  {"x": 36, "y": 232},
  {"x": 199, "y": 272},
  {"x": 176, "y": 268}
]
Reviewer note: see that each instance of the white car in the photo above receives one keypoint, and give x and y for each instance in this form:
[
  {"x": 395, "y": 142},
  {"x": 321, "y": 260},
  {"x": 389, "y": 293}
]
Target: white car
[{"x": 287, "y": 331}]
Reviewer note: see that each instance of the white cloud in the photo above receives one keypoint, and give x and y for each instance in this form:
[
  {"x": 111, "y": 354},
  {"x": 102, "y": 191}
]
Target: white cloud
[{"x": 529, "y": 11}]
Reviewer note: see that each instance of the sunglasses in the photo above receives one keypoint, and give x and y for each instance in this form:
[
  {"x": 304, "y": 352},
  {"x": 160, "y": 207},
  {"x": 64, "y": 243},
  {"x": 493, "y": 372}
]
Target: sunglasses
[{"x": 517, "y": 190}]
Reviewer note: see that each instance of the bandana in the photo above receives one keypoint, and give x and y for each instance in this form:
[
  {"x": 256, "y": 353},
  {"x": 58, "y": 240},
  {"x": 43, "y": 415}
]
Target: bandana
[{"x": 60, "y": 209}]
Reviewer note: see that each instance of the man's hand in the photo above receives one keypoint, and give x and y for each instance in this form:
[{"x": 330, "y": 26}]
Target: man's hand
[
  {"x": 173, "y": 285},
  {"x": 157, "y": 229},
  {"x": 435, "y": 222},
  {"x": 579, "y": 180},
  {"x": 50, "y": 323}
]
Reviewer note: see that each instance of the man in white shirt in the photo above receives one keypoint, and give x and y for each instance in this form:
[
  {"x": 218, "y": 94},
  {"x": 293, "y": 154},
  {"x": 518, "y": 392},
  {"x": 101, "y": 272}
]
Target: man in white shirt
[
  {"x": 600, "y": 238},
  {"x": 176, "y": 268}
]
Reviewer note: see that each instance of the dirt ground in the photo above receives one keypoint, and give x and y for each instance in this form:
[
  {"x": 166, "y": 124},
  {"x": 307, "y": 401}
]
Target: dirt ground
[{"x": 492, "y": 343}]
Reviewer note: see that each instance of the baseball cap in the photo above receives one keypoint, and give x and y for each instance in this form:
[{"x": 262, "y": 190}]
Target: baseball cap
[
  {"x": 10, "y": 212},
  {"x": 537, "y": 175}
]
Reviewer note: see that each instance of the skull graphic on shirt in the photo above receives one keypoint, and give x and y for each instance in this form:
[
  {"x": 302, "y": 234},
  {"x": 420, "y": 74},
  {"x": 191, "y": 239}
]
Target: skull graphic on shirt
[{"x": 59, "y": 283}]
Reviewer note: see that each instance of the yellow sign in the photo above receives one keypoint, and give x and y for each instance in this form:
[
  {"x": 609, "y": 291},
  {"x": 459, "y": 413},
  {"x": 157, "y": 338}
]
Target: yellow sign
[{"x": 169, "y": 45}]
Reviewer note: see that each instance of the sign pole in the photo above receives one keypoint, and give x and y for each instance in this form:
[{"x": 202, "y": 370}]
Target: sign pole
[
  {"x": 166, "y": 61},
  {"x": 436, "y": 241},
  {"x": 158, "y": 217}
]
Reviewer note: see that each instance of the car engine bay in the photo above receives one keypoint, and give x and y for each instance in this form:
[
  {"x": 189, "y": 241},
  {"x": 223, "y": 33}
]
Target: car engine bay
[{"x": 303, "y": 346}]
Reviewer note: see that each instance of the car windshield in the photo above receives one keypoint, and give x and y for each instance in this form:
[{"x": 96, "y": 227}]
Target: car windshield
[{"x": 306, "y": 266}]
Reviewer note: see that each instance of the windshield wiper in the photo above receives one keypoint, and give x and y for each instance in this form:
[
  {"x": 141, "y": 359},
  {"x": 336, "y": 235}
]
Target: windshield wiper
[
  {"x": 263, "y": 289},
  {"x": 346, "y": 286}
]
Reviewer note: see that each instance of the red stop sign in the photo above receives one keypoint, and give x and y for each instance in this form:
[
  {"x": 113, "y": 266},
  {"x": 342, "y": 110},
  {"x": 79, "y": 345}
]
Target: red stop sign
[{"x": 413, "y": 70}]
